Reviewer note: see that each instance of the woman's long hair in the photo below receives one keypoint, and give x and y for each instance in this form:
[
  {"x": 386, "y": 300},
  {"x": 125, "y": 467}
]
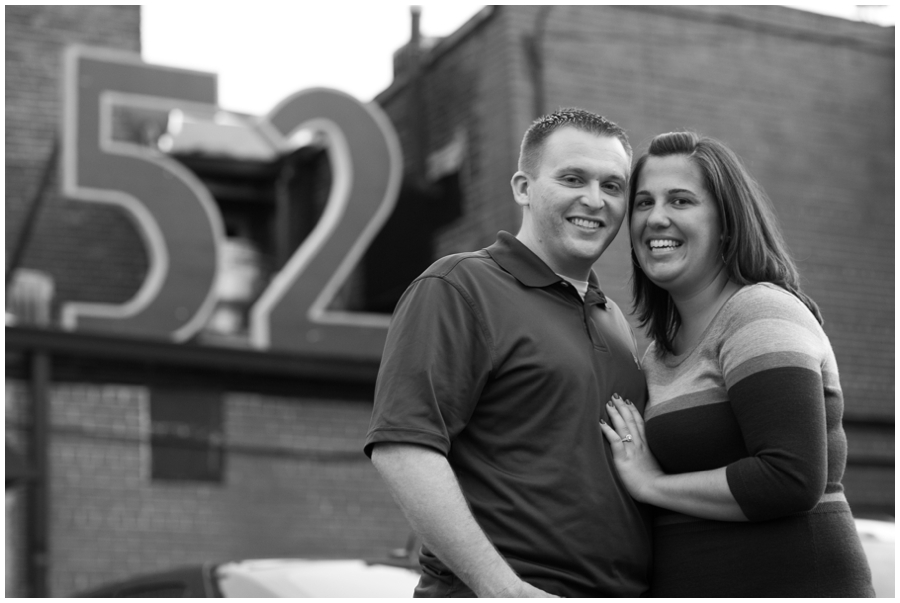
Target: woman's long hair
[{"x": 752, "y": 246}]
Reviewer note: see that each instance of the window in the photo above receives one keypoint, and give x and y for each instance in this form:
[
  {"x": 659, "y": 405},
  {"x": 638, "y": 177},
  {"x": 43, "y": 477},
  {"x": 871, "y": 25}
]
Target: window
[{"x": 186, "y": 434}]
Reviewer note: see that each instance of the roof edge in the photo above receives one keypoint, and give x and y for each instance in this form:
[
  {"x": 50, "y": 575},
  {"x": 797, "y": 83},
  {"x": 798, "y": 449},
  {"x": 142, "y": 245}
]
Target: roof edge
[{"x": 439, "y": 50}]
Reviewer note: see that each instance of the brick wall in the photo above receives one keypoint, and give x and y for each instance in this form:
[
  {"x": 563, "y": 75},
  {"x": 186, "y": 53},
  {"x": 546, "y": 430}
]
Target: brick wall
[
  {"x": 466, "y": 87},
  {"x": 14, "y": 572},
  {"x": 16, "y": 501},
  {"x": 92, "y": 252},
  {"x": 806, "y": 100},
  {"x": 296, "y": 484}
]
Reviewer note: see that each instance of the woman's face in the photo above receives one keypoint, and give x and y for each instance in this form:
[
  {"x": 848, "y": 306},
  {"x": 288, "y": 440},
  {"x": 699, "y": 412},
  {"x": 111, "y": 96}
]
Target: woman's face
[{"x": 675, "y": 228}]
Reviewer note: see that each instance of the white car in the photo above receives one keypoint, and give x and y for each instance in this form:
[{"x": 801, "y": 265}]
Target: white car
[
  {"x": 305, "y": 578},
  {"x": 395, "y": 577},
  {"x": 878, "y": 541},
  {"x": 272, "y": 578}
]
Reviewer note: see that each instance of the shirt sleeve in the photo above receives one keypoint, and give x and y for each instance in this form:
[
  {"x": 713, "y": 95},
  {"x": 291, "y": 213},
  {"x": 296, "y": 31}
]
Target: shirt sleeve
[
  {"x": 436, "y": 360},
  {"x": 772, "y": 368}
]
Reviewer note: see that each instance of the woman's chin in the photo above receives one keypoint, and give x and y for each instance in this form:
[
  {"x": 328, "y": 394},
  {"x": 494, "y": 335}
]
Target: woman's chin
[{"x": 661, "y": 280}]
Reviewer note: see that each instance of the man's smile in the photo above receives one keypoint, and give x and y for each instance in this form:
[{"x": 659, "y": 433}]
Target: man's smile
[{"x": 586, "y": 223}]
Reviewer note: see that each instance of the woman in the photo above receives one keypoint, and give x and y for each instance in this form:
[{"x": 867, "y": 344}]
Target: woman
[{"x": 742, "y": 450}]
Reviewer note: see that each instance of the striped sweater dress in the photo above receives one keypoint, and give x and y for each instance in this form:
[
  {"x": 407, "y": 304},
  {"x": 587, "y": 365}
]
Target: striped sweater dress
[{"x": 759, "y": 394}]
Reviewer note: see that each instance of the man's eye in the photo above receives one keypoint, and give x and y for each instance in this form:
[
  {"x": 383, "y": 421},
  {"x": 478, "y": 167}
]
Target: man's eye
[{"x": 612, "y": 186}]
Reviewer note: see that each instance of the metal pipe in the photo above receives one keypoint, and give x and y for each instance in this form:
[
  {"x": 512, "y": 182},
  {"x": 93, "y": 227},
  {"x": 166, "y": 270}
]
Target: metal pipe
[
  {"x": 415, "y": 34},
  {"x": 31, "y": 216},
  {"x": 37, "y": 552},
  {"x": 420, "y": 108},
  {"x": 534, "y": 52}
]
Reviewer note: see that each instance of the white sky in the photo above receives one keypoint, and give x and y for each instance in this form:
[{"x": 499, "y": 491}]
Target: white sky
[{"x": 264, "y": 54}]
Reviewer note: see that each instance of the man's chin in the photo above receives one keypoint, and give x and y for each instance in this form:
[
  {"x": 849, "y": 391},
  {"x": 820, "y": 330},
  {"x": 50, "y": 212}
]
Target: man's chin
[{"x": 589, "y": 251}]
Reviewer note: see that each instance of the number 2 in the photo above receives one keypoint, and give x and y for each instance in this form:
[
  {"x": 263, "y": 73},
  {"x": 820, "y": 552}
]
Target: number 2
[{"x": 366, "y": 163}]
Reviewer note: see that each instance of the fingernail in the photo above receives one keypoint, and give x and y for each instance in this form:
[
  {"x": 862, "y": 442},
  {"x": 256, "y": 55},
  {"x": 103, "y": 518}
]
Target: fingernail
[
  {"x": 616, "y": 396},
  {"x": 627, "y": 401},
  {"x": 610, "y": 403},
  {"x": 603, "y": 422}
]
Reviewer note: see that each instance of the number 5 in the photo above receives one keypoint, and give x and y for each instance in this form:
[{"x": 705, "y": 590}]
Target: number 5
[{"x": 172, "y": 210}]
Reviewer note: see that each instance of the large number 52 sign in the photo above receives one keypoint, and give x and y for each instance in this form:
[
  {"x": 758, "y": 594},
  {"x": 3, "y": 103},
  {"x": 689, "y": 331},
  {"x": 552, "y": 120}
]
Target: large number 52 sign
[{"x": 180, "y": 223}]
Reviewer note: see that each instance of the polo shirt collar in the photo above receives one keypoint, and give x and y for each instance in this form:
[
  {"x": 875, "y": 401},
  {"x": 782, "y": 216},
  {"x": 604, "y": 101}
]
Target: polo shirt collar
[{"x": 515, "y": 257}]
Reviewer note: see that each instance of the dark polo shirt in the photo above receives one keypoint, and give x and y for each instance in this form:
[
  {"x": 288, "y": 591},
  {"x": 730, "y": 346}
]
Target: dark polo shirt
[{"x": 491, "y": 360}]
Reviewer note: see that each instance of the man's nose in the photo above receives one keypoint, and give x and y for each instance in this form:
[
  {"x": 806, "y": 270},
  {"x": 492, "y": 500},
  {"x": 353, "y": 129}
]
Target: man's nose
[{"x": 593, "y": 196}]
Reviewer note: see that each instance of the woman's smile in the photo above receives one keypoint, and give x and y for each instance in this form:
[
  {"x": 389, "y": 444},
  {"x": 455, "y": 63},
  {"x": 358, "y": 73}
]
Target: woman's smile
[{"x": 675, "y": 224}]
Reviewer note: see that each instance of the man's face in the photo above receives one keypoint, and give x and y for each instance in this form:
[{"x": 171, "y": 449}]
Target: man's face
[{"x": 575, "y": 202}]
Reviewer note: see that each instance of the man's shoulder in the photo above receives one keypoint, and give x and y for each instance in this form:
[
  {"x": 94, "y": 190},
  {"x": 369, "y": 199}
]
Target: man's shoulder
[
  {"x": 613, "y": 308},
  {"x": 449, "y": 266}
]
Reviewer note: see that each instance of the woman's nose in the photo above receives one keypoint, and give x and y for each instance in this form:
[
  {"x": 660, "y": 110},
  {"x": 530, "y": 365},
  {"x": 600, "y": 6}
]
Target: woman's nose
[{"x": 658, "y": 218}]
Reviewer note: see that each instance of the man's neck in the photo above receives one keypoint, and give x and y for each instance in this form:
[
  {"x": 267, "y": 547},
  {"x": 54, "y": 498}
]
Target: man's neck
[
  {"x": 576, "y": 269},
  {"x": 580, "y": 285}
]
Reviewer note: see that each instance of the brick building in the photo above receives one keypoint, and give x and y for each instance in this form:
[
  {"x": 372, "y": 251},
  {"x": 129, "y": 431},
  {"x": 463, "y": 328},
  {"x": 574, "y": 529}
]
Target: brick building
[
  {"x": 806, "y": 100},
  {"x": 144, "y": 455},
  {"x": 156, "y": 454}
]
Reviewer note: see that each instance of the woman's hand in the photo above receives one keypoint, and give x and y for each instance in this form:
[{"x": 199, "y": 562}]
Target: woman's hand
[{"x": 635, "y": 463}]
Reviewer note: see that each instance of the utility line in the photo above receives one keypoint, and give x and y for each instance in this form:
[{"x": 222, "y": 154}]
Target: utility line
[{"x": 205, "y": 439}]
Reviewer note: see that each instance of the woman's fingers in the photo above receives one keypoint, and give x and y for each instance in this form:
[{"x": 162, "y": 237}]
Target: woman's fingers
[
  {"x": 610, "y": 433},
  {"x": 615, "y": 440},
  {"x": 639, "y": 421},
  {"x": 624, "y": 411},
  {"x": 636, "y": 416},
  {"x": 624, "y": 434},
  {"x": 616, "y": 419}
]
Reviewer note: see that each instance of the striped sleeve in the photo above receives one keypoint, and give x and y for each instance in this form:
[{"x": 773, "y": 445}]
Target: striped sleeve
[{"x": 771, "y": 357}]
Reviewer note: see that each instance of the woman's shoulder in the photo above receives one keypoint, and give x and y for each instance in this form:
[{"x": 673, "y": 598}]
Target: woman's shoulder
[
  {"x": 765, "y": 318},
  {"x": 767, "y": 301},
  {"x": 653, "y": 359}
]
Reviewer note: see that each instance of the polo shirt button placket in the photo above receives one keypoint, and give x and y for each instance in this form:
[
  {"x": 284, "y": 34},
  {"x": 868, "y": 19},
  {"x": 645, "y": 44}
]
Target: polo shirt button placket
[{"x": 593, "y": 298}]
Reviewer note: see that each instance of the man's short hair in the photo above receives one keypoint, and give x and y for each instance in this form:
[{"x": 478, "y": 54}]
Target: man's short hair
[{"x": 543, "y": 127}]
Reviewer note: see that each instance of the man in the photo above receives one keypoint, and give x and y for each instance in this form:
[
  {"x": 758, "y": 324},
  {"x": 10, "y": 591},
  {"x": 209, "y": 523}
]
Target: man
[{"x": 495, "y": 374}]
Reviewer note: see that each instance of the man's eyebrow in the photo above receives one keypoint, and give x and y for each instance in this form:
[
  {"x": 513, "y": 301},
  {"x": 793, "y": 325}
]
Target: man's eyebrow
[
  {"x": 617, "y": 176},
  {"x": 575, "y": 169},
  {"x": 571, "y": 168}
]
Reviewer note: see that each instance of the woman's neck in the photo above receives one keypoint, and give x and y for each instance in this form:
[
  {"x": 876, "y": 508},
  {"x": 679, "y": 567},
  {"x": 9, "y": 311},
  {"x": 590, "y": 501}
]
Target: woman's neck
[{"x": 697, "y": 309}]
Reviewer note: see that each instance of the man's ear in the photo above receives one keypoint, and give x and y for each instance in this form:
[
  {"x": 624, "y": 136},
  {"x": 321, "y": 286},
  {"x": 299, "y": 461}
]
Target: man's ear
[{"x": 521, "y": 184}]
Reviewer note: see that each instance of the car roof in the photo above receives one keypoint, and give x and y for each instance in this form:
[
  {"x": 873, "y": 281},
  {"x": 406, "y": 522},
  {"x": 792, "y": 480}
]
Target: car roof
[{"x": 314, "y": 578}]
